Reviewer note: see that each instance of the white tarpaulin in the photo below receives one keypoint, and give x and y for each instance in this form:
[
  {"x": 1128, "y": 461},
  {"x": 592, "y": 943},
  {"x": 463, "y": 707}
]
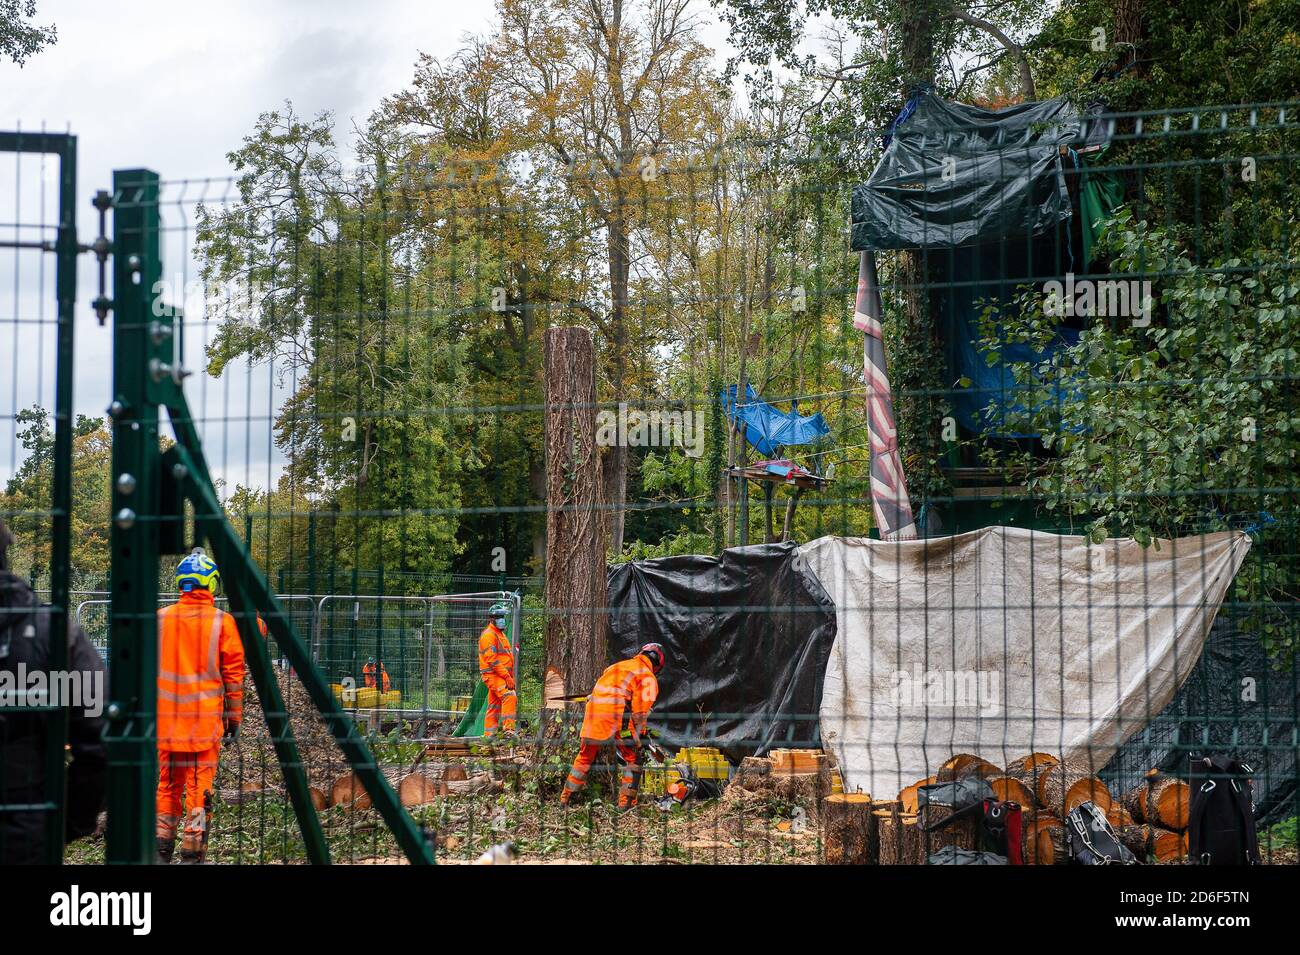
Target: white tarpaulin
[{"x": 1006, "y": 641}]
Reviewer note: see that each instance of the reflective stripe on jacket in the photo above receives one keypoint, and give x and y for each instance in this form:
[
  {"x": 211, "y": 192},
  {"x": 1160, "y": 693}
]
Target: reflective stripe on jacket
[
  {"x": 626, "y": 682},
  {"x": 200, "y": 673},
  {"x": 495, "y": 655}
]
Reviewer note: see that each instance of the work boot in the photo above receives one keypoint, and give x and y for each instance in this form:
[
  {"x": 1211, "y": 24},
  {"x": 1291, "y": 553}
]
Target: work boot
[
  {"x": 165, "y": 849},
  {"x": 191, "y": 858}
]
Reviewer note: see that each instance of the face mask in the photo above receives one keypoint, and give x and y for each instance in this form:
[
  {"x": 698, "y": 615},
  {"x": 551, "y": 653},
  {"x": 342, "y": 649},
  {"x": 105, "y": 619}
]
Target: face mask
[{"x": 500, "y": 622}]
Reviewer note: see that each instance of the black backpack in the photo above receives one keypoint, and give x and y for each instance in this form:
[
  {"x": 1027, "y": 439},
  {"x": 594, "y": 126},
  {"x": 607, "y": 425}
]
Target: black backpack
[
  {"x": 1221, "y": 825},
  {"x": 1092, "y": 840}
]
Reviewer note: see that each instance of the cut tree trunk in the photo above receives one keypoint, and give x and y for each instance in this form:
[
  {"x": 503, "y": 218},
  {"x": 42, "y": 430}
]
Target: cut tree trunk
[
  {"x": 1031, "y": 824},
  {"x": 846, "y": 824},
  {"x": 1146, "y": 841},
  {"x": 1118, "y": 816},
  {"x": 889, "y": 829},
  {"x": 963, "y": 833},
  {"x": 1169, "y": 846},
  {"x": 964, "y": 764},
  {"x": 1011, "y": 789},
  {"x": 1160, "y": 801},
  {"x": 1051, "y": 847},
  {"x": 575, "y": 551},
  {"x": 908, "y": 796},
  {"x": 418, "y": 788},
  {"x": 754, "y": 773},
  {"x": 1041, "y": 761},
  {"x": 1067, "y": 785}
]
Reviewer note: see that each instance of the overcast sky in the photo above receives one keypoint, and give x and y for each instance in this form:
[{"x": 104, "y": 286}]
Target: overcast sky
[{"x": 173, "y": 86}]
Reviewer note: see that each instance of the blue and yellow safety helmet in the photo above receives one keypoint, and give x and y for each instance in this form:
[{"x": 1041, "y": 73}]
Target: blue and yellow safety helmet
[{"x": 196, "y": 571}]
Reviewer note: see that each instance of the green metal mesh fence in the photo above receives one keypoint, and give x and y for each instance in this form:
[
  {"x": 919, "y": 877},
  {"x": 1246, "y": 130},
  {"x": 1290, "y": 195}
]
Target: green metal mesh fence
[{"x": 395, "y": 416}]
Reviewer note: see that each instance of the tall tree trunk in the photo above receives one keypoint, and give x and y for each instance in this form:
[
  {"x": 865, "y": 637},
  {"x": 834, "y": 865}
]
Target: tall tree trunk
[
  {"x": 616, "y": 473},
  {"x": 915, "y": 372},
  {"x": 1130, "y": 33},
  {"x": 575, "y": 560}
]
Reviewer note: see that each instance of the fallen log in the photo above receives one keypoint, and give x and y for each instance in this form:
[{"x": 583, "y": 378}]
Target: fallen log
[
  {"x": 479, "y": 783},
  {"x": 1025, "y": 764},
  {"x": 1068, "y": 785},
  {"x": 1168, "y": 846},
  {"x": 908, "y": 797},
  {"x": 1011, "y": 789},
  {"x": 1031, "y": 824},
  {"x": 1051, "y": 847},
  {"x": 1160, "y": 800},
  {"x": 418, "y": 788},
  {"x": 964, "y": 764},
  {"x": 1118, "y": 816},
  {"x": 847, "y": 827}
]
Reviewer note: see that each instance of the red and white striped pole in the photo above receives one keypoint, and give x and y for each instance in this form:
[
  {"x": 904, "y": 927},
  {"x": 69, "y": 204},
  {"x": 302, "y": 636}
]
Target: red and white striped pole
[{"x": 889, "y": 499}]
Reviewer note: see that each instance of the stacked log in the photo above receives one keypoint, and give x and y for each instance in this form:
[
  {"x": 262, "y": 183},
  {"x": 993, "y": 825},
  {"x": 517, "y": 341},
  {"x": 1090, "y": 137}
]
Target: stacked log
[
  {"x": 1033, "y": 822},
  {"x": 1151, "y": 842},
  {"x": 1011, "y": 789},
  {"x": 908, "y": 795},
  {"x": 1051, "y": 847},
  {"x": 1159, "y": 808},
  {"x": 964, "y": 764},
  {"x": 1160, "y": 801},
  {"x": 1068, "y": 785}
]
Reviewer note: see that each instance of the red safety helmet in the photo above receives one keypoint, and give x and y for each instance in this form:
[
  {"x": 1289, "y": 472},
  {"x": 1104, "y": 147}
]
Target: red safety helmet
[{"x": 654, "y": 652}]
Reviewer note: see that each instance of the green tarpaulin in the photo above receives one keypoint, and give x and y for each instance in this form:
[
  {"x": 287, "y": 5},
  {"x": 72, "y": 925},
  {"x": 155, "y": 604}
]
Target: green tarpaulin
[{"x": 471, "y": 724}]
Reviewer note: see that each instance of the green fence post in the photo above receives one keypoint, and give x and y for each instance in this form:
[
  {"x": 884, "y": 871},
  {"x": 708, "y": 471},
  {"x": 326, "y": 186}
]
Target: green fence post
[{"x": 133, "y": 628}]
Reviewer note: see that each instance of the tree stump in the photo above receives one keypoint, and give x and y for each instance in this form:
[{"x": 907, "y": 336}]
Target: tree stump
[
  {"x": 754, "y": 774},
  {"x": 847, "y": 825},
  {"x": 1068, "y": 785},
  {"x": 889, "y": 830},
  {"x": 962, "y": 833}
]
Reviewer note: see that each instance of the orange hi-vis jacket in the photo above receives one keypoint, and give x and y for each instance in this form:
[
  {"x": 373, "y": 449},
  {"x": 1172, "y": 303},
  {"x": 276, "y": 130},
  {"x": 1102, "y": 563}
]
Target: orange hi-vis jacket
[
  {"x": 496, "y": 658},
  {"x": 626, "y": 682},
  {"x": 200, "y": 673}
]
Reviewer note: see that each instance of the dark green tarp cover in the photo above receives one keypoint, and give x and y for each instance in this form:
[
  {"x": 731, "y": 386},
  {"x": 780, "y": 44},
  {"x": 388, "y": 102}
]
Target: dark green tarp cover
[{"x": 1005, "y": 176}]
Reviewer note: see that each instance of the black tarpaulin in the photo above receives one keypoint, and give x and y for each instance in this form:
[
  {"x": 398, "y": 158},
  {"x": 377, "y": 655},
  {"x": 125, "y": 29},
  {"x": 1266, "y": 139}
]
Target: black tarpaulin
[
  {"x": 1235, "y": 702},
  {"x": 747, "y": 636},
  {"x": 955, "y": 174}
]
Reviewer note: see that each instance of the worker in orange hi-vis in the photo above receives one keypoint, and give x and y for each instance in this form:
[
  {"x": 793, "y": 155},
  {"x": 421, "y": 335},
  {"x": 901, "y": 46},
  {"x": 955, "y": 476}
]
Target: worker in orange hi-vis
[
  {"x": 200, "y": 700},
  {"x": 496, "y": 665},
  {"x": 627, "y": 684},
  {"x": 368, "y": 674}
]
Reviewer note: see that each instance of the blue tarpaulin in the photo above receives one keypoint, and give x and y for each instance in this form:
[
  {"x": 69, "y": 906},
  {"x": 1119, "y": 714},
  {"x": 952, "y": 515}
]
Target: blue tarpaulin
[{"x": 766, "y": 428}]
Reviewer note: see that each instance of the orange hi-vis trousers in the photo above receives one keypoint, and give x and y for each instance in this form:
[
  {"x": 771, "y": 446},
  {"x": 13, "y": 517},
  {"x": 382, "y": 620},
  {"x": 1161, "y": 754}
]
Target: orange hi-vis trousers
[
  {"x": 629, "y": 780},
  {"x": 502, "y": 705},
  {"x": 187, "y": 774}
]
